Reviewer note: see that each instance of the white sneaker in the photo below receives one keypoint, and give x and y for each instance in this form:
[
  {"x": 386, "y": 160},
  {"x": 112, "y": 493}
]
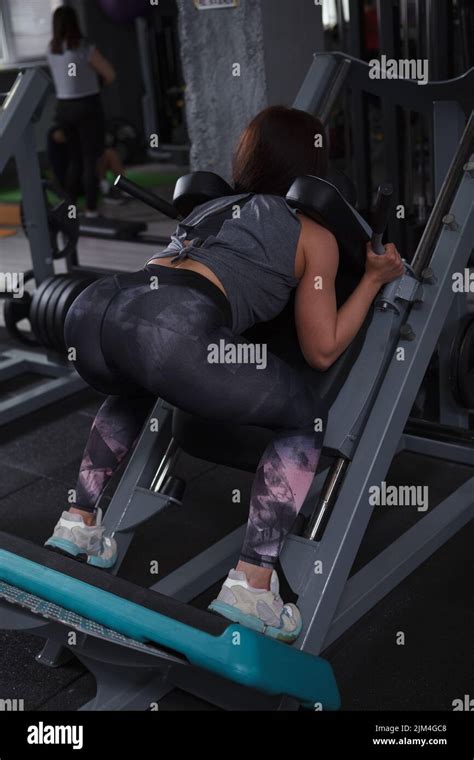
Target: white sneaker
[
  {"x": 83, "y": 542},
  {"x": 262, "y": 610}
]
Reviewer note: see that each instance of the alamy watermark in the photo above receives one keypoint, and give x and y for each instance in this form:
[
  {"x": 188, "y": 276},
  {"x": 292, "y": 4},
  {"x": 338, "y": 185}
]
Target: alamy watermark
[
  {"x": 42, "y": 733},
  {"x": 237, "y": 353},
  {"x": 465, "y": 704},
  {"x": 12, "y": 283},
  {"x": 463, "y": 282},
  {"x": 12, "y": 705},
  {"x": 405, "y": 68},
  {"x": 399, "y": 496}
]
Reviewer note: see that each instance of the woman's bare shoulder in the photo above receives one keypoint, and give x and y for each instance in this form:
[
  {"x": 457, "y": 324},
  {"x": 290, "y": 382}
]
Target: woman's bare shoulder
[
  {"x": 313, "y": 230},
  {"x": 317, "y": 238}
]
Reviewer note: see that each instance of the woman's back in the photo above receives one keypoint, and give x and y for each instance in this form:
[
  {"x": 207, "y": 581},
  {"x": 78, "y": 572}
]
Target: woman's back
[
  {"x": 72, "y": 72},
  {"x": 253, "y": 256}
]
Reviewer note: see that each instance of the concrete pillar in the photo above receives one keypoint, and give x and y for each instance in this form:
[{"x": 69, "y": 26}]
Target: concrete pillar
[
  {"x": 272, "y": 41},
  {"x": 219, "y": 104}
]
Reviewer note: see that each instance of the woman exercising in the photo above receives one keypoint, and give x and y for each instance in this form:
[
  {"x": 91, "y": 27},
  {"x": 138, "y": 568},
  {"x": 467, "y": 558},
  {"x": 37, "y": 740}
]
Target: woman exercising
[
  {"x": 76, "y": 67},
  {"x": 148, "y": 334}
]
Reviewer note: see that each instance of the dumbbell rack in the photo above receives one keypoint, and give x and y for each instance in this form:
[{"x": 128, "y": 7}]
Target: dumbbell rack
[{"x": 17, "y": 139}]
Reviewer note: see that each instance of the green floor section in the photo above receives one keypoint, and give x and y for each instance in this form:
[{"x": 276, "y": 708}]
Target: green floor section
[
  {"x": 150, "y": 179},
  {"x": 145, "y": 179},
  {"x": 10, "y": 196}
]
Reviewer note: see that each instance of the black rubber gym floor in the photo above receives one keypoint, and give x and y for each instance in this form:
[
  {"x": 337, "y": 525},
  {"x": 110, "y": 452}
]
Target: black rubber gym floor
[{"x": 39, "y": 459}]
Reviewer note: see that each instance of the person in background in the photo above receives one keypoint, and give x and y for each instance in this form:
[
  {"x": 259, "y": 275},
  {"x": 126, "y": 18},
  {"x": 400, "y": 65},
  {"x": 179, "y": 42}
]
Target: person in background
[
  {"x": 60, "y": 155},
  {"x": 78, "y": 68}
]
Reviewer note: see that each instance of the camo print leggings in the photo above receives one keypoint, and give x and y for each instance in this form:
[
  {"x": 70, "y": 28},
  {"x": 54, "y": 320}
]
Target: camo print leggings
[{"x": 143, "y": 335}]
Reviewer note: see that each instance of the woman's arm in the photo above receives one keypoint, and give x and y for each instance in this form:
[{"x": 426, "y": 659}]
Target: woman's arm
[
  {"x": 324, "y": 333},
  {"x": 102, "y": 66}
]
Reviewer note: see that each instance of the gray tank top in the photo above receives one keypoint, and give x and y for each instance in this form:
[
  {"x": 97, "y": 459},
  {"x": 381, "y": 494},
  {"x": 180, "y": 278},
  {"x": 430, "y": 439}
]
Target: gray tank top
[
  {"x": 253, "y": 255},
  {"x": 77, "y": 80}
]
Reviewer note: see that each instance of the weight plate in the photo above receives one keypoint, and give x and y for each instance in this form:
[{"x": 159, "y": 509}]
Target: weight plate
[
  {"x": 51, "y": 310},
  {"x": 54, "y": 318},
  {"x": 53, "y": 305},
  {"x": 44, "y": 306},
  {"x": 39, "y": 307},
  {"x": 35, "y": 303}
]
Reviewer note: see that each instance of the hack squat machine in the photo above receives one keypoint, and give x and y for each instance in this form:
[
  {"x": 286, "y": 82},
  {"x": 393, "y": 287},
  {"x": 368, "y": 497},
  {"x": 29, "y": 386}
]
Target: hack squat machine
[{"x": 141, "y": 643}]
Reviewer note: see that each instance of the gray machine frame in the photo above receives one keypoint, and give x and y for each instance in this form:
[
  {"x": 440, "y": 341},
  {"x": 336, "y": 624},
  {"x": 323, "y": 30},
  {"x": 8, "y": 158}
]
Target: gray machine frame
[
  {"x": 367, "y": 427},
  {"x": 17, "y": 139}
]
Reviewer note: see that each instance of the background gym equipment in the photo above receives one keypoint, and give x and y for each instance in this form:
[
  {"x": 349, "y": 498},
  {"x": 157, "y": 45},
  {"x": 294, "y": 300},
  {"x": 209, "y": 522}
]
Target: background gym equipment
[
  {"x": 367, "y": 427},
  {"x": 63, "y": 229},
  {"x": 163, "y": 85},
  {"x": 146, "y": 197},
  {"x": 15, "y": 310},
  {"x": 402, "y": 135},
  {"x": 20, "y": 108},
  {"x": 52, "y": 235},
  {"x": 121, "y": 135},
  {"x": 154, "y": 40}
]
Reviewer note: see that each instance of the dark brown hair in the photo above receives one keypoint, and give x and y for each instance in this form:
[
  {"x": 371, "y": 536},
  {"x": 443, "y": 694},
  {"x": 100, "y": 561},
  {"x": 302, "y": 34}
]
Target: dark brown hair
[
  {"x": 277, "y": 146},
  {"x": 66, "y": 29}
]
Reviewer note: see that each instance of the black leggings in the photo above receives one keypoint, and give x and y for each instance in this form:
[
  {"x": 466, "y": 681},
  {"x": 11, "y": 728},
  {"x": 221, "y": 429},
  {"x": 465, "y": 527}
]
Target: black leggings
[
  {"x": 149, "y": 334},
  {"x": 82, "y": 120}
]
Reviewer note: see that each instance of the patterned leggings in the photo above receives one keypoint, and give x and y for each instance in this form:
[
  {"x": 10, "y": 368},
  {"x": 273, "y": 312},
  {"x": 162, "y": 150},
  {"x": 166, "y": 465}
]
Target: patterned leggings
[{"x": 148, "y": 334}]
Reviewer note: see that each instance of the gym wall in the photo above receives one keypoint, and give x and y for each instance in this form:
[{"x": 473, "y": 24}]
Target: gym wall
[{"x": 272, "y": 40}]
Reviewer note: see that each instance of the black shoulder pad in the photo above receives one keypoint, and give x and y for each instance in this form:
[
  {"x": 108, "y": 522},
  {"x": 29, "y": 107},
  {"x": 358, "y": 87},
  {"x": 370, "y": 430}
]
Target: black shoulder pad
[{"x": 323, "y": 202}]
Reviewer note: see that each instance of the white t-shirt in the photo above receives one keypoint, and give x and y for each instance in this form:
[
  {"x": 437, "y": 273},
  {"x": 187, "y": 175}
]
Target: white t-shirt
[{"x": 73, "y": 75}]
